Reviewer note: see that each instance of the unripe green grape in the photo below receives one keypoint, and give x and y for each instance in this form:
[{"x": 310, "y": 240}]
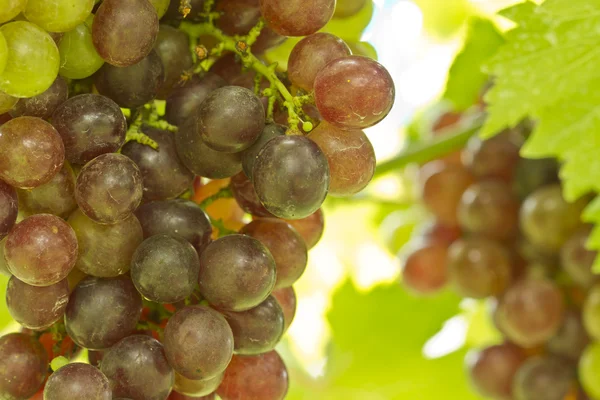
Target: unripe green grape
[
  {"x": 589, "y": 368},
  {"x": 58, "y": 15},
  {"x": 33, "y": 60},
  {"x": 78, "y": 56},
  {"x": 7, "y": 102},
  {"x": 10, "y": 9},
  {"x": 3, "y": 53}
]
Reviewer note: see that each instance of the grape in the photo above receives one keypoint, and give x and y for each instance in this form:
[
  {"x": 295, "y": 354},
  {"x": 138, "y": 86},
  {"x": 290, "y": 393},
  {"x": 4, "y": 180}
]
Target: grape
[
  {"x": 297, "y": 17},
  {"x": 286, "y": 297},
  {"x": 31, "y": 152},
  {"x": 137, "y": 367},
  {"x": 173, "y": 48},
  {"x": 348, "y": 8},
  {"x": 177, "y": 396},
  {"x": 124, "y": 31},
  {"x": 354, "y": 92},
  {"x": 543, "y": 378},
  {"x": 261, "y": 377},
  {"x": 41, "y": 250},
  {"x": 109, "y": 188},
  {"x": 489, "y": 208},
  {"x": 3, "y": 264},
  {"x": 164, "y": 176},
  {"x": 23, "y": 366},
  {"x": 36, "y": 307},
  {"x": 531, "y": 175},
  {"x": 443, "y": 185},
  {"x": 237, "y": 16},
  {"x": 311, "y": 55},
  {"x": 7, "y": 102},
  {"x": 591, "y": 312},
  {"x": 44, "y": 104},
  {"x": 424, "y": 270},
  {"x": 9, "y": 208},
  {"x": 95, "y": 357},
  {"x": 495, "y": 158},
  {"x": 165, "y": 268},
  {"x": 198, "y": 342},
  {"x": 78, "y": 56},
  {"x": 90, "y": 125},
  {"x": 547, "y": 220},
  {"x": 492, "y": 369},
  {"x": 257, "y": 330},
  {"x": 479, "y": 267},
  {"x": 184, "y": 101},
  {"x": 246, "y": 197},
  {"x": 439, "y": 233},
  {"x": 33, "y": 60},
  {"x": 102, "y": 311},
  {"x": 55, "y": 197},
  {"x": 196, "y": 388},
  {"x": 58, "y": 15},
  {"x": 250, "y": 154},
  {"x": 105, "y": 250},
  {"x": 74, "y": 277},
  {"x": 237, "y": 272},
  {"x": 228, "y": 67},
  {"x": 531, "y": 312},
  {"x": 589, "y": 365},
  {"x": 350, "y": 155},
  {"x": 134, "y": 85},
  {"x": 161, "y": 6},
  {"x": 201, "y": 159},
  {"x": 10, "y": 9},
  {"x": 176, "y": 217},
  {"x": 77, "y": 381},
  {"x": 3, "y": 56},
  {"x": 291, "y": 177},
  {"x": 310, "y": 228},
  {"x": 571, "y": 339},
  {"x": 576, "y": 260}
]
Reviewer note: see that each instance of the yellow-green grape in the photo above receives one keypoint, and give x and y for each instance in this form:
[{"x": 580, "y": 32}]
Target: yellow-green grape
[
  {"x": 161, "y": 7},
  {"x": 10, "y": 9},
  {"x": 7, "y": 102},
  {"x": 78, "y": 56},
  {"x": 33, "y": 60},
  {"x": 58, "y": 15},
  {"x": 3, "y": 52},
  {"x": 589, "y": 368}
]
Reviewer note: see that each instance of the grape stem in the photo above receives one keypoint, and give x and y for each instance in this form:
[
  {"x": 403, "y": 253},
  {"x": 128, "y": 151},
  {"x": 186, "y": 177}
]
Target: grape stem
[{"x": 224, "y": 193}]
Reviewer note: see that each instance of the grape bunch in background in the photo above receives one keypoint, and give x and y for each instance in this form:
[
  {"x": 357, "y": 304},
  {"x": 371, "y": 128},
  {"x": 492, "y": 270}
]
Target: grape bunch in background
[{"x": 136, "y": 139}]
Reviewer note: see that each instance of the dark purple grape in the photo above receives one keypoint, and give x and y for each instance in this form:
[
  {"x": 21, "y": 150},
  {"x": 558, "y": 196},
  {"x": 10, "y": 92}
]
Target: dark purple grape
[
  {"x": 261, "y": 377},
  {"x": 164, "y": 176},
  {"x": 90, "y": 125},
  {"x": 176, "y": 217},
  {"x": 134, "y": 85},
  {"x": 194, "y": 389},
  {"x": 137, "y": 368},
  {"x": 543, "y": 378},
  {"x": 9, "y": 208},
  {"x": 424, "y": 270},
  {"x": 250, "y": 154},
  {"x": 36, "y": 307},
  {"x": 198, "y": 342},
  {"x": 109, "y": 188},
  {"x": 183, "y": 102},
  {"x": 31, "y": 152},
  {"x": 571, "y": 339},
  {"x": 77, "y": 381},
  {"x": 237, "y": 16},
  {"x": 102, "y": 311},
  {"x": 354, "y": 92},
  {"x": 577, "y": 260},
  {"x": 173, "y": 48},
  {"x": 41, "y": 250},
  {"x": 44, "y": 104},
  {"x": 237, "y": 272},
  {"x": 286, "y": 297},
  {"x": 124, "y": 31},
  {"x": 228, "y": 67},
  {"x": 23, "y": 366},
  {"x": 246, "y": 197},
  {"x": 297, "y": 17},
  {"x": 494, "y": 158},
  {"x": 310, "y": 228}
]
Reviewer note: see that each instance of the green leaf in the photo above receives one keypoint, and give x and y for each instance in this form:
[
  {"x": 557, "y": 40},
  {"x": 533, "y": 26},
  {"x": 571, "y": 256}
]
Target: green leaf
[
  {"x": 519, "y": 12},
  {"x": 465, "y": 79}
]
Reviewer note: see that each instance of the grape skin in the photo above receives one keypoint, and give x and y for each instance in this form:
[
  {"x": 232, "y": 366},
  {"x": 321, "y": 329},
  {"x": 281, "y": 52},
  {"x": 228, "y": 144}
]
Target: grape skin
[
  {"x": 173, "y": 48},
  {"x": 311, "y": 228},
  {"x": 571, "y": 339},
  {"x": 58, "y": 15},
  {"x": 77, "y": 381},
  {"x": 9, "y": 208},
  {"x": 576, "y": 260},
  {"x": 7, "y": 102},
  {"x": 495, "y": 158},
  {"x": 196, "y": 388},
  {"x": 348, "y": 8},
  {"x": 10, "y": 9},
  {"x": 44, "y": 104},
  {"x": 547, "y": 378},
  {"x": 246, "y": 197},
  {"x": 297, "y": 17},
  {"x": 78, "y": 56},
  {"x": 286, "y": 297},
  {"x": 23, "y": 358},
  {"x": 250, "y": 154},
  {"x": 183, "y": 102},
  {"x": 424, "y": 270}
]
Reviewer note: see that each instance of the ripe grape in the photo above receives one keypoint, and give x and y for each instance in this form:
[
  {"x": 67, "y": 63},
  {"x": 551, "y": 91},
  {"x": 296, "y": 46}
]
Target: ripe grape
[
  {"x": 33, "y": 60},
  {"x": 571, "y": 339},
  {"x": 576, "y": 260},
  {"x": 90, "y": 125},
  {"x": 250, "y": 154},
  {"x": 237, "y": 272},
  {"x": 44, "y": 104},
  {"x": 109, "y": 188},
  {"x": 124, "y": 31},
  {"x": 77, "y": 381},
  {"x": 310, "y": 228},
  {"x": 9, "y": 208},
  {"x": 23, "y": 366},
  {"x": 547, "y": 378},
  {"x": 164, "y": 176},
  {"x": 261, "y": 377},
  {"x": 176, "y": 217},
  {"x": 10, "y": 9},
  {"x": 31, "y": 152},
  {"x": 102, "y": 311},
  {"x": 36, "y": 307},
  {"x": 495, "y": 158},
  {"x": 297, "y": 17},
  {"x": 246, "y": 197},
  {"x": 105, "y": 250},
  {"x": 311, "y": 55},
  {"x": 134, "y": 85},
  {"x": 424, "y": 270},
  {"x": 183, "y": 102},
  {"x": 439, "y": 233},
  {"x": 136, "y": 367},
  {"x": 196, "y": 388},
  {"x": 286, "y": 297},
  {"x": 198, "y": 342},
  {"x": 348, "y": 8},
  {"x": 350, "y": 155},
  {"x": 354, "y": 92},
  {"x": 59, "y": 15},
  {"x": 237, "y": 16},
  {"x": 173, "y": 48},
  {"x": 41, "y": 250},
  {"x": 589, "y": 366},
  {"x": 78, "y": 56}
]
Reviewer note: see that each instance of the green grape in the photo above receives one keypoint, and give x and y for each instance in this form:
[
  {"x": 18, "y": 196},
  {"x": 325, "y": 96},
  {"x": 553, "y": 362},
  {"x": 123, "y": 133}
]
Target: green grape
[
  {"x": 58, "y": 15},
  {"x": 3, "y": 52},
  {"x": 7, "y": 102},
  {"x": 589, "y": 369},
  {"x": 33, "y": 60},
  {"x": 10, "y": 9},
  {"x": 78, "y": 56}
]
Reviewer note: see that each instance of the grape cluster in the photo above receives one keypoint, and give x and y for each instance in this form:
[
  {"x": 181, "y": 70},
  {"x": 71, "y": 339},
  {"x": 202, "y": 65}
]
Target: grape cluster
[
  {"x": 161, "y": 185},
  {"x": 504, "y": 232}
]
